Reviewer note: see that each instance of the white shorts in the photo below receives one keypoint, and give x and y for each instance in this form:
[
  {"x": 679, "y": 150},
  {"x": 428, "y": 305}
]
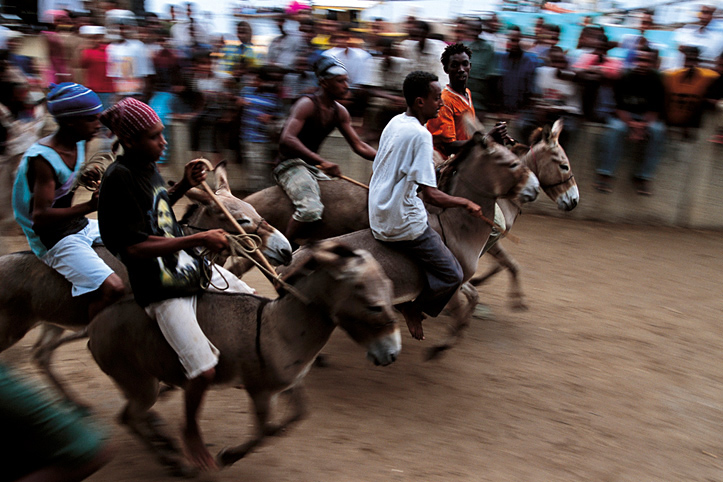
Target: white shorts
[
  {"x": 74, "y": 258},
  {"x": 176, "y": 318}
]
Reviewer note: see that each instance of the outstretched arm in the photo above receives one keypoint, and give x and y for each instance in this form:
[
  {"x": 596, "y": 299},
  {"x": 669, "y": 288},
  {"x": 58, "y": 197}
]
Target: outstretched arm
[
  {"x": 360, "y": 147},
  {"x": 438, "y": 198}
]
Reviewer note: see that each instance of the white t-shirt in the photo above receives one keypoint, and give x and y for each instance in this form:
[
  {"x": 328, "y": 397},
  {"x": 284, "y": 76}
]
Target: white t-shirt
[
  {"x": 129, "y": 63},
  {"x": 558, "y": 92},
  {"x": 403, "y": 162},
  {"x": 356, "y": 61}
]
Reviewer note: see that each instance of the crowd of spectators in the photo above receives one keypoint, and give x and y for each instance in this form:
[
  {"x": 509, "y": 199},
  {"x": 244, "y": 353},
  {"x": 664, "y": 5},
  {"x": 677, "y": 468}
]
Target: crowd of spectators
[{"x": 234, "y": 95}]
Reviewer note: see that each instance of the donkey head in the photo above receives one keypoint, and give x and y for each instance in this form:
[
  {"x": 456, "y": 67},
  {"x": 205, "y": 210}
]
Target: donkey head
[
  {"x": 207, "y": 215},
  {"x": 548, "y": 160},
  {"x": 487, "y": 169},
  {"x": 357, "y": 294}
]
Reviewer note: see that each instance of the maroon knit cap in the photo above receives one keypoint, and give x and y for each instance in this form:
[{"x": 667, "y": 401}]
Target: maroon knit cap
[{"x": 129, "y": 117}]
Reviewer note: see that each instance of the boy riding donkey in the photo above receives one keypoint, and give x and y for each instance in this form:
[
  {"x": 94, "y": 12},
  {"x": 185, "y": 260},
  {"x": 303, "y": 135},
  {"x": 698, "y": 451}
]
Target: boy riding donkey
[
  {"x": 166, "y": 273},
  {"x": 397, "y": 216},
  {"x": 311, "y": 120},
  {"x": 57, "y": 231}
]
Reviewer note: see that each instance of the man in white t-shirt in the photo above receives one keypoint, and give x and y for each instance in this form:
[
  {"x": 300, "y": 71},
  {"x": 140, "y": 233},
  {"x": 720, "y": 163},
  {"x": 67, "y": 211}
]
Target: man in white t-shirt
[
  {"x": 701, "y": 35},
  {"x": 397, "y": 216},
  {"x": 130, "y": 64}
]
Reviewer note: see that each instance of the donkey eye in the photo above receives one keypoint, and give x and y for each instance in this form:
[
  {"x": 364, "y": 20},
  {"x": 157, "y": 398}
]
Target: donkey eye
[
  {"x": 242, "y": 221},
  {"x": 374, "y": 308},
  {"x": 514, "y": 165}
]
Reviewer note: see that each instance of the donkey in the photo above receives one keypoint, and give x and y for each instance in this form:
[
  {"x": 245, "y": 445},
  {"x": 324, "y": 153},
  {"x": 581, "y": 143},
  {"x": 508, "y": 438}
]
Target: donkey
[
  {"x": 482, "y": 172},
  {"x": 34, "y": 293},
  {"x": 266, "y": 345},
  {"x": 547, "y": 159}
]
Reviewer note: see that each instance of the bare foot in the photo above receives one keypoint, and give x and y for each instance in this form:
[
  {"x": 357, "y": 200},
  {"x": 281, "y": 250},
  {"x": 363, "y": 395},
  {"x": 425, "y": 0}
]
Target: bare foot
[
  {"x": 196, "y": 452},
  {"x": 414, "y": 318}
]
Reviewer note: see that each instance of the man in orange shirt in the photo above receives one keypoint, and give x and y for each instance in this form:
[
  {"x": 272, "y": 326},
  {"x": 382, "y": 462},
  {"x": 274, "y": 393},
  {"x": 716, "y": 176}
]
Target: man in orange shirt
[{"x": 449, "y": 130}]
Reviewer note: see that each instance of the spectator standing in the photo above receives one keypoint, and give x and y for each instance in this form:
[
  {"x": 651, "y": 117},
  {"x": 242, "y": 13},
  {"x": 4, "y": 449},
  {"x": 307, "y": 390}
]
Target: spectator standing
[
  {"x": 94, "y": 62},
  {"x": 213, "y": 104},
  {"x": 262, "y": 109},
  {"x": 238, "y": 55},
  {"x": 640, "y": 97},
  {"x": 284, "y": 48},
  {"x": 129, "y": 63},
  {"x": 483, "y": 67},
  {"x": 357, "y": 63},
  {"x": 422, "y": 51},
  {"x": 385, "y": 91},
  {"x": 517, "y": 76},
  {"x": 709, "y": 41}
]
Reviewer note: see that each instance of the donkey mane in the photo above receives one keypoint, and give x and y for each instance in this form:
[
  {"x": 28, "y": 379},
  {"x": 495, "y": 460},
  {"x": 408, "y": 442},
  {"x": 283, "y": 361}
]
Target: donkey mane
[{"x": 448, "y": 168}]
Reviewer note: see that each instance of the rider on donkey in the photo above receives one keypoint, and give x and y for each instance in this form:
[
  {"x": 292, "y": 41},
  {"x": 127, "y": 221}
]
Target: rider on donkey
[
  {"x": 397, "y": 216},
  {"x": 451, "y": 128},
  {"x": 311, "y": 120},
  {"x": 166, "y": 273},
  {"x": 57, "y": 231}
]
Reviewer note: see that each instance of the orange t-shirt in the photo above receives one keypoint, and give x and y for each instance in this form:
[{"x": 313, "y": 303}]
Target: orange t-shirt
[{"x": 449, "y": 126}]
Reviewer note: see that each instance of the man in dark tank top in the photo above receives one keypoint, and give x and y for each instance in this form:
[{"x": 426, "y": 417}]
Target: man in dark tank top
[{"x": 312, "y": 119}]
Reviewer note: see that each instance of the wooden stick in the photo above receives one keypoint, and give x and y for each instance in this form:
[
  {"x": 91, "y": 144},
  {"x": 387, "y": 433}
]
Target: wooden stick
[
  {"x": 233, "y": 221},
  {"x": 354, "y": 181},
  {"x": 236, "y": 225}
]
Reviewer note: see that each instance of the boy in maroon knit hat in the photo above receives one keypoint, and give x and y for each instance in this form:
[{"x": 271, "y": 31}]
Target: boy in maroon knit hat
[{"x": 165, "y": 271}]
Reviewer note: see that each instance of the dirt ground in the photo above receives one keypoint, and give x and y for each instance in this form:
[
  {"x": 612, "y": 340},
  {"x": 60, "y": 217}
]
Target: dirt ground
[{"x": 612, "y": 375}]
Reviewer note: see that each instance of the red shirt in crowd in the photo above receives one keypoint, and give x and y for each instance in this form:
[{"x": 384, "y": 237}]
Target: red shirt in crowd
[{"x": 95, "y": 62}]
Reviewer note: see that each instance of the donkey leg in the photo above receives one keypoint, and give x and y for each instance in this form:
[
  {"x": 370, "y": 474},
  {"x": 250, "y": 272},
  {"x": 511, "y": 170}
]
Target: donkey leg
[
  {"x": 482, "y": 279},
  {"x": 460, "y": 307},
  {"x": 51, "y": 338},
  {"x": 517, "y": 298},
  {"x": 262, "y": 405},
  {"x": 299, "y": 411},
  {"x": 141, "y": 392}
]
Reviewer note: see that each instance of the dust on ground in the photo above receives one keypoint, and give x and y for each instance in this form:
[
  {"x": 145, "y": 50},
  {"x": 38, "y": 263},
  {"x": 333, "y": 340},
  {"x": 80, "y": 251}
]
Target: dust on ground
[{"x": 613, "y": 374}]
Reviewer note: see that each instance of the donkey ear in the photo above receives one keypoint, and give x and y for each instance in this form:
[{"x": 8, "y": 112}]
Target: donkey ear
[
  {"x": 325, "y": 252},
  {"x": 221, "y": 177},
  {"x": 556, "y": 130},
  {"x": 536, "y": 136},
  {"x": 199, "y": 195}
]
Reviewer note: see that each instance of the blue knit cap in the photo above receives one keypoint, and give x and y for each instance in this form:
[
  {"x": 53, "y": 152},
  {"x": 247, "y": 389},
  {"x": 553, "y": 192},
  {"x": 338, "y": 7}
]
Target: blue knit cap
[{"x": 73, "y": 100}]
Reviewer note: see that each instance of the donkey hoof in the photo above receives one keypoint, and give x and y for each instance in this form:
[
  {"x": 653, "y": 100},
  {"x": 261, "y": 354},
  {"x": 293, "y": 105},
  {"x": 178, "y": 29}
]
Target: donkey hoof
[{"x": 520, "y": 306}]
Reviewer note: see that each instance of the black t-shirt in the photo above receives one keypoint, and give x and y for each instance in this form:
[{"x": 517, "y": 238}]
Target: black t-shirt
[
  {"x": 639, "y": 93},
  {"x": 133, "y": 205}
]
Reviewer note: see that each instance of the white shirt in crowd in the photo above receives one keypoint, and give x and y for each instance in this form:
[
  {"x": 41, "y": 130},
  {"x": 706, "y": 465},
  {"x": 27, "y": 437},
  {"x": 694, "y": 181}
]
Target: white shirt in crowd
[
  {"x": 403, "y": 163},
  {"x": 356, "y": 61},
  {"x": 129, "y": 63},
  {"x": 558, "y": 92},
  {"x": 710, "y": 42}
]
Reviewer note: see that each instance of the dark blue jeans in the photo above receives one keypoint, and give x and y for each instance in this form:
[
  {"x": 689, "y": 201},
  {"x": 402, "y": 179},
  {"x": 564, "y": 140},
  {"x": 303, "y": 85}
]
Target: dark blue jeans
[{"x": 443, "y": 274}]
